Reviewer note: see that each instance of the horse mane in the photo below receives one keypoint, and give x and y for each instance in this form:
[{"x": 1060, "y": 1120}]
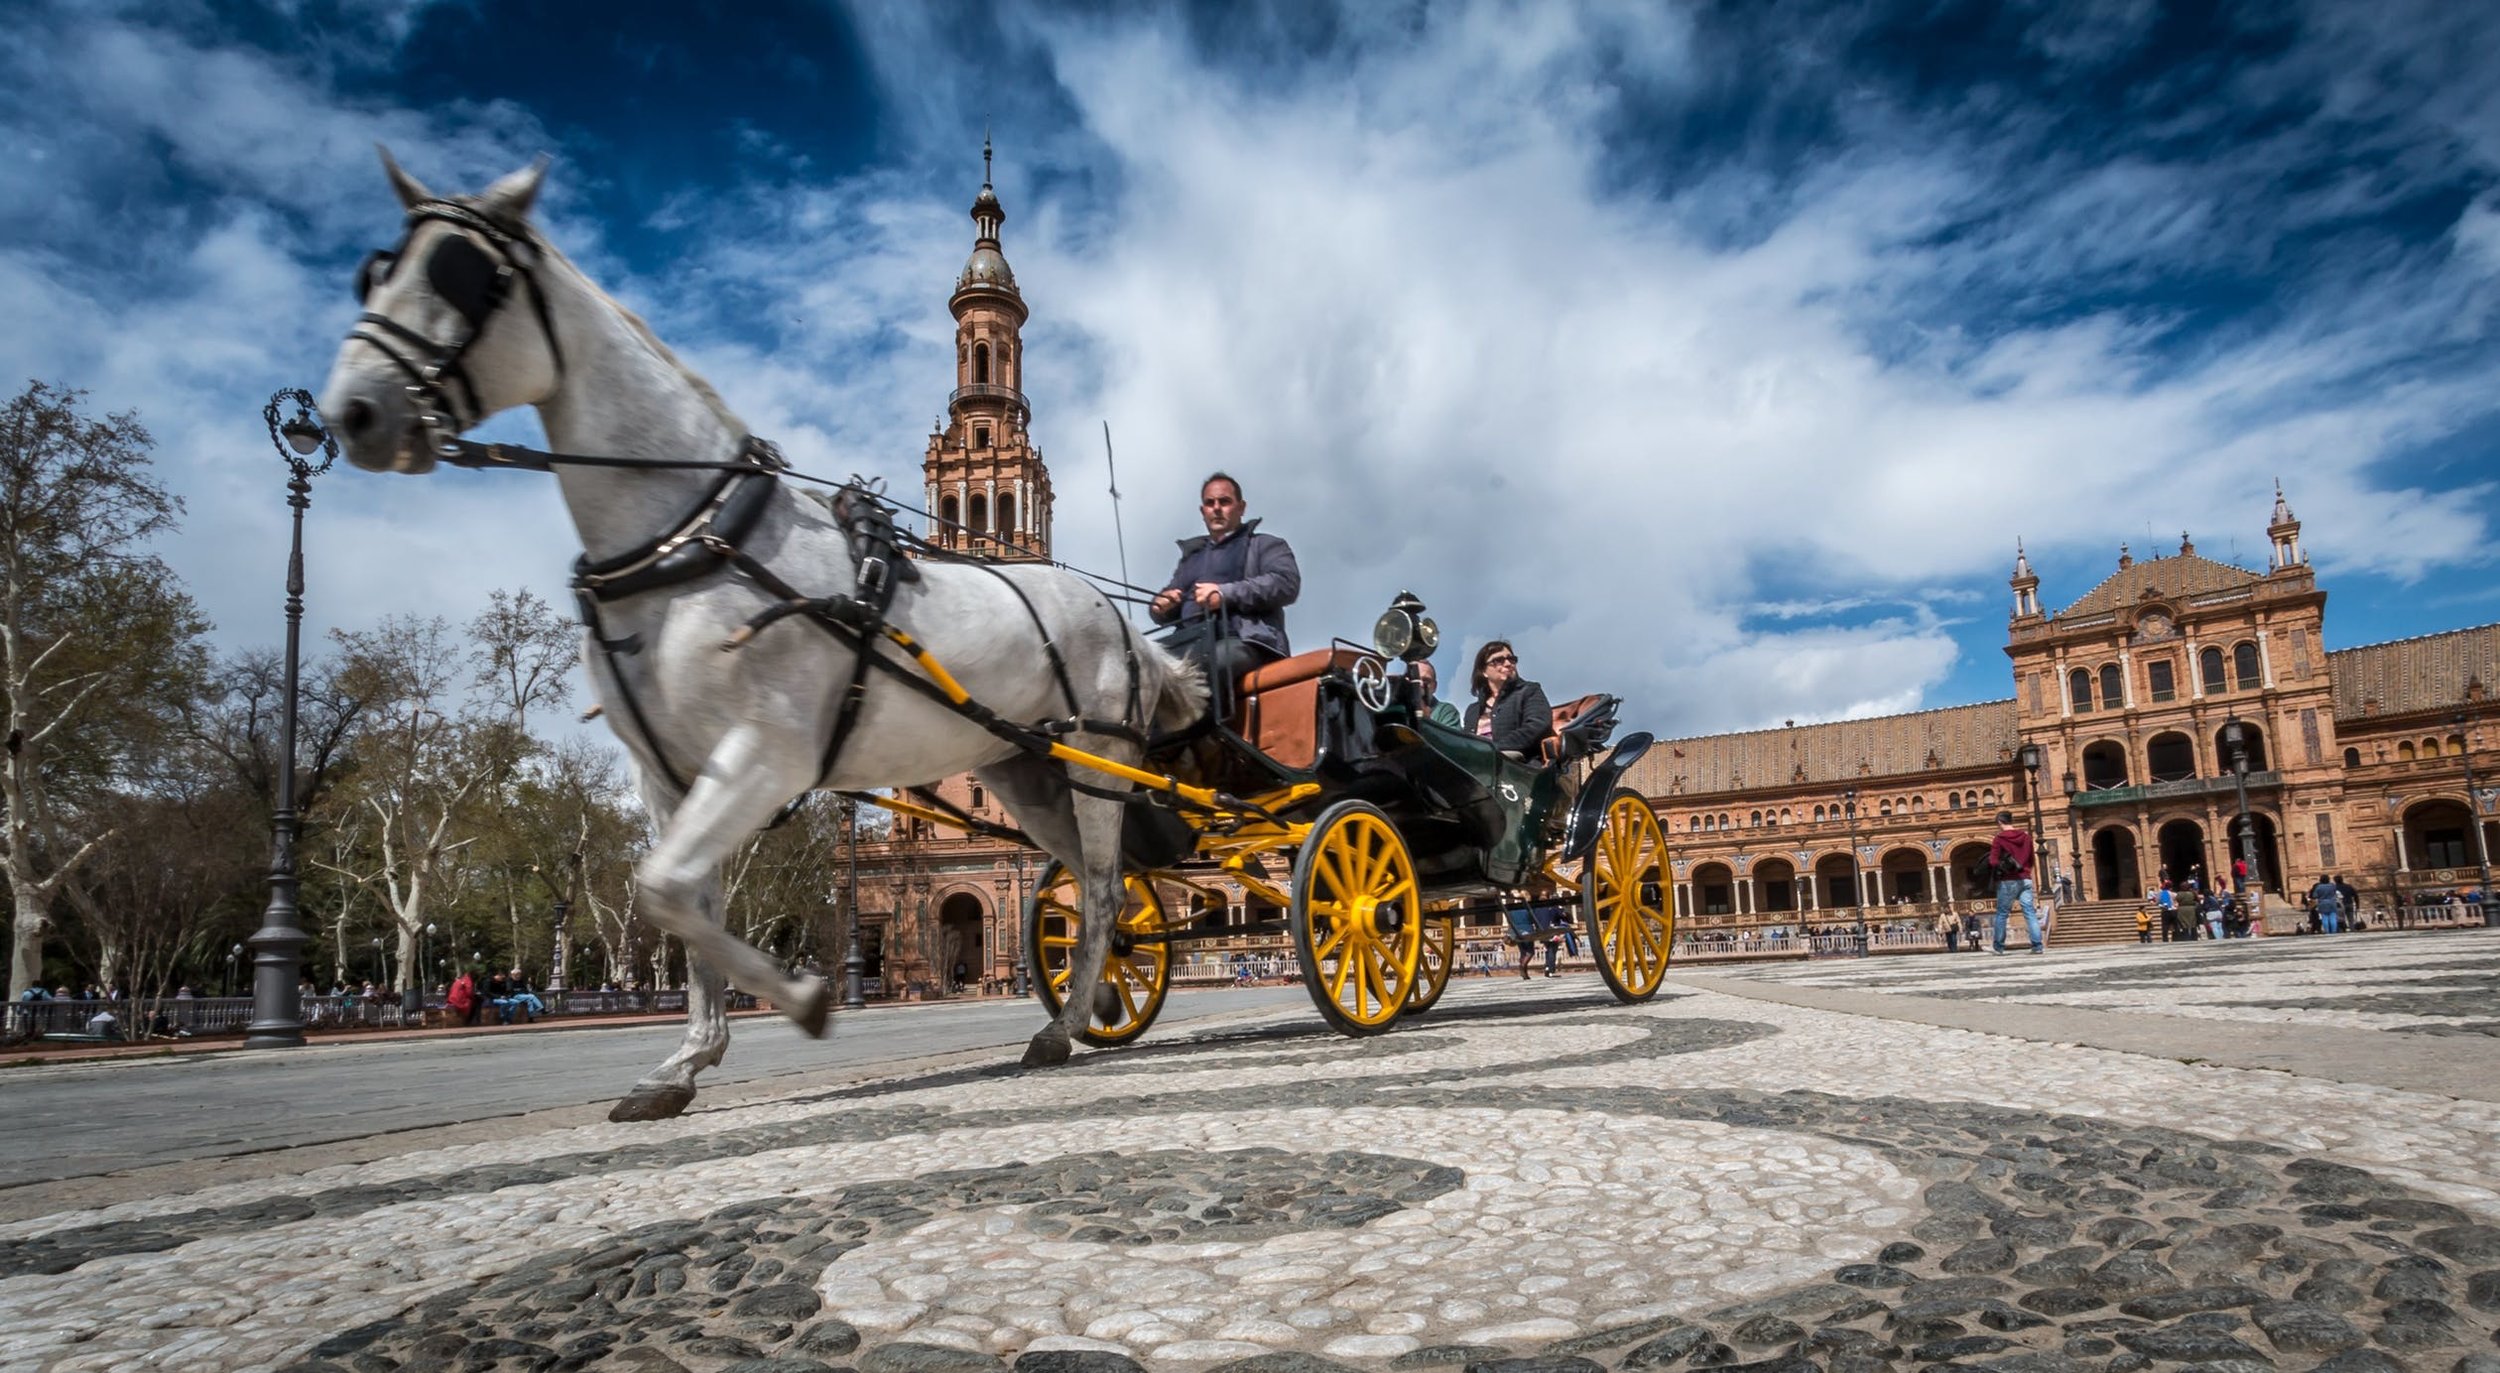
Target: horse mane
[{"x": 720, "y": 408}]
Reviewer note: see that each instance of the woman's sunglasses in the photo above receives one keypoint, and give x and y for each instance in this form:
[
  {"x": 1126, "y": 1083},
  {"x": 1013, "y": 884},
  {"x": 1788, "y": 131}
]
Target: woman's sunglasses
[{"x": 1501, "y": 661}]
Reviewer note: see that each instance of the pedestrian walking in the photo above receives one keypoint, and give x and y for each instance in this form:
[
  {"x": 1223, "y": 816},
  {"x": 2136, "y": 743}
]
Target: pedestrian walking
[
  {"x": 2327, "y": 900},
  {"x": 463, "y": 1000},
  {"x": 2009, "y": 858},
  {"x": 2143, "y": 924}
]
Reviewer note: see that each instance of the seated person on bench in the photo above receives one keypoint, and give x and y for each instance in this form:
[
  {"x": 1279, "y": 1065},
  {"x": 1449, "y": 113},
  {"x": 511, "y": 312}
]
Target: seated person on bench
[
  {"x": 1509, "y": 711},
  {"x": 1232, "y": 585},
  {"x": 1440, "y": 712}
]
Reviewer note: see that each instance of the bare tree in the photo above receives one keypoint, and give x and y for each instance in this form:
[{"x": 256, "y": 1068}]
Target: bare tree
[{"x": 93, "y": 634}]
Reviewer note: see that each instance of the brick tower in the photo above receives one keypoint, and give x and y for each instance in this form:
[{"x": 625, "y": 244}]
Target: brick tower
[{"x": 987, "y": 483}]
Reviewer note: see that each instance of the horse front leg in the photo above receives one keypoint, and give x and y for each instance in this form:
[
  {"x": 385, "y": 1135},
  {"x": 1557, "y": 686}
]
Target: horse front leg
[
  {"x": 666, "y": 1091},
  {"x": 743, "y": 783},
  {"x": 1097, "y": 865}
]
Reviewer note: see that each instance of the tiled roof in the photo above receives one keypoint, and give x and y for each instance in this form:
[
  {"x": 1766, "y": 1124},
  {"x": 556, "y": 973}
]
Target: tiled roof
[
  {"x": 1830, "y": 754},
  {"x": 2415, "y": 674},
  {"x": 2184, "y": 574}
]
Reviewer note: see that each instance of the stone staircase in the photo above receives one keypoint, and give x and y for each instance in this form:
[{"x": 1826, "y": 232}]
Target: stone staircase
[{"x": 2092, "y": 922}]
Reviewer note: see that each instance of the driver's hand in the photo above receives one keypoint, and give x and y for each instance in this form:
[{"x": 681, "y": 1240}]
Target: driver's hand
[
  {"x": 1166, "y": 601},
  {"x": 1209, "y": 596}
]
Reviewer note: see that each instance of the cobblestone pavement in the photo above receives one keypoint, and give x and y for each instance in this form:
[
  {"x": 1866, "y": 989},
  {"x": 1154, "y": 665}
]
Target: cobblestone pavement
[
  {"x": 2422, "y": 982},
  {"x": 1530, "y": 1178}
]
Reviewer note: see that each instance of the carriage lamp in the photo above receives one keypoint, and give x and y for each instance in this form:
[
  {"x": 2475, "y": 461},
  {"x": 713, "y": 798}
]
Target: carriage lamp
[{"x": 1404, "y": 631}]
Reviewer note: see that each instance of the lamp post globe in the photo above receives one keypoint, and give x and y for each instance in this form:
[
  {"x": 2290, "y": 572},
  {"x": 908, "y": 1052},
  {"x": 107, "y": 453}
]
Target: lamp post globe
[
  {"x": 2235, "y": 740},
  {"x": 278, "y": 946}
]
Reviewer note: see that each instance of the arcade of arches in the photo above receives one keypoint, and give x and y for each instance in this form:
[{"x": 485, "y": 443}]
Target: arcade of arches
[{"x": 2157, "y": 701}]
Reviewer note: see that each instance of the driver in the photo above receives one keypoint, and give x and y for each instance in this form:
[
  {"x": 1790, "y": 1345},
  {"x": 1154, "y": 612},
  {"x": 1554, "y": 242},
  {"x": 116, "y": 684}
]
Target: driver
[{"x": 1248, "y": 576}]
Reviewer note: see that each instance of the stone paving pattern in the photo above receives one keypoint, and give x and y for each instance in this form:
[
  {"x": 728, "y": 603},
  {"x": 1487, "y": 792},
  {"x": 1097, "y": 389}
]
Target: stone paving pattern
[{"x": 1529, "y": 1178}]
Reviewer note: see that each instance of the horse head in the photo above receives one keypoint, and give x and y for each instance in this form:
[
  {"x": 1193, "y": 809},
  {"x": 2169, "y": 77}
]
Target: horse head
[{"x": 445, "y": 339}]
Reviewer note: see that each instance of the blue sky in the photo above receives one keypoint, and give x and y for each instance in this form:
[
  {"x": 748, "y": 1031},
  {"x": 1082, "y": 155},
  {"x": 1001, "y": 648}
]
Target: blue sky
[{"x": 1716, "y": 354}]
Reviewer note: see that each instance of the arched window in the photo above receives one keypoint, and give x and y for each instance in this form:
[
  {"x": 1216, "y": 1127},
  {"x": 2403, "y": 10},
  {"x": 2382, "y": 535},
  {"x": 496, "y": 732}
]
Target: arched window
[
  {"x": 980, "y": 364},
  {"x": 949, "y": 513},
  {"x": 980, "y": 520},
  {"x": 2112, "y": 694},
  {"x": 2244, "y": 665},
  {"x": 2404, "y": 751},
  {"x": 2430, "y": 747},
  {"x": 2209, "y": 666},
  {"x": 1007, "y": 514},
  {"x": 980, "y": 436},
  {"x": 1692, "y": 823},
  {"x": 976, "y": 797},
  {"x": 1818, "y": 815},
  {"x": 1756, "y": 822},
  {"x": 2352, "y": 757},
  {"x": 1723, "y": 823},
  {"x": 1787, "y": 816},
  {"x": 1953, "y": 800},
  {"x": 2157, "y": 676},
  {"x": 2456, "y": 746},
  {"x": 1988, "y": 797},
  {"x": 2079, "y": 686},
  {"x": 1883, "y": 808},
  {"x": 1918, "y": 805}
]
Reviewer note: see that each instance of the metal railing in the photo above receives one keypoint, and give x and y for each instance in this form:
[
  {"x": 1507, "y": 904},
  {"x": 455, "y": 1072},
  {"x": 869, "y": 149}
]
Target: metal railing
[{"x": 191, "y": 1017}]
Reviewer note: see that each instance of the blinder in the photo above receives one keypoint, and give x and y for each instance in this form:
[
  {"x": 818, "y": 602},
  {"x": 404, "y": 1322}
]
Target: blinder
[
  {"x": 373, "y": 271},
  {"x": 466, "y": 278}
]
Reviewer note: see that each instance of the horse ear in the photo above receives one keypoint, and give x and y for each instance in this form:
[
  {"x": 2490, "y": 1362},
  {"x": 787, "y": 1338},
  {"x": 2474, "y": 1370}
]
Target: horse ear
[
  {"x": 512, "y": 197},
  {"x": 411, "y": 191}
]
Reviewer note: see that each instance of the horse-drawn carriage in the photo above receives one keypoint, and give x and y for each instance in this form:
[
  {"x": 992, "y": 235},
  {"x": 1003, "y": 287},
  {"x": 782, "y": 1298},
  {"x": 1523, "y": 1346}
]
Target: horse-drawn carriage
[{"x": 1320, "y": 786}]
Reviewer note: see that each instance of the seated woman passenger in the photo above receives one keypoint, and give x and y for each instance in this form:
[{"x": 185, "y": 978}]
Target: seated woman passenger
[{"x": 1509, "y": 710}]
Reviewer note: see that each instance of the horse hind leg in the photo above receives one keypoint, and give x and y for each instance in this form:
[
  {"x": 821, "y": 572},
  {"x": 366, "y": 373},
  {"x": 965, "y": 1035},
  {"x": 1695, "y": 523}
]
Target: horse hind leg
[{"x": 1096, "y": 861}]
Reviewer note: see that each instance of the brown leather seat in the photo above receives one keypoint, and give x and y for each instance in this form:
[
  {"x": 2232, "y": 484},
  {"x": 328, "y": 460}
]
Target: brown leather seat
[
  {"x": 1279, "y": 704},
  {"x": 1551, "y": 751}
]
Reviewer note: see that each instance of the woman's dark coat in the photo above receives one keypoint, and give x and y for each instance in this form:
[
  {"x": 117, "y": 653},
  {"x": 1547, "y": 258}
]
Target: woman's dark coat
[{"x": 1521, "y": 720}]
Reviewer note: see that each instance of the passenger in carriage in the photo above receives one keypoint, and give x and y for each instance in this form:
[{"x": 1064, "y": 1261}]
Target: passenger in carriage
[
  {"x": 1509, "y": 711},
  {"x": 1440, "y": 712},
  {"x": 1233, "y": 583}
]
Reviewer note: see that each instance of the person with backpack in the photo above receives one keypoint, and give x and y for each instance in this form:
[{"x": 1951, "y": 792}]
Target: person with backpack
[
  {"x": 2327, "y": 900},
  {"x": 2009, "y": 858}
]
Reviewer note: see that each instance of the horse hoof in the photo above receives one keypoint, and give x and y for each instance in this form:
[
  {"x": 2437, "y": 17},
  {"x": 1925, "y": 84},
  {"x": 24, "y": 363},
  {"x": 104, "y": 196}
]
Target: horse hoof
[
  {"x": 652, "y": 1103},
  {"x": 815, "y": 1008},
  {"x": 1049, "y": 1048}
]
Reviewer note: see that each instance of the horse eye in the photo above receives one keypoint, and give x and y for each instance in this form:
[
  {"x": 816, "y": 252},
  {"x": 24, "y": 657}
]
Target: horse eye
[{"x": 373, "y": 271}]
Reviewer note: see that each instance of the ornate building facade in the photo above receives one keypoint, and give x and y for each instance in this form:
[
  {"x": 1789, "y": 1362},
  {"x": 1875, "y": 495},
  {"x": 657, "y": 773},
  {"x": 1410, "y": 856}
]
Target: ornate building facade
[{"x": 2160, "y": 706}]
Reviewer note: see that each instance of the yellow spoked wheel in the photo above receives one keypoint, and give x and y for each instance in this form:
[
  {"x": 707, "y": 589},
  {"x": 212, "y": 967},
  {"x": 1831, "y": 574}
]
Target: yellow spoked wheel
[
  {"x": 1356, "y": 917},
  {"x": 1135, "y": 973},
  {"x": 1438, "y": 954},
  {"x": 1628, "y": 899}
]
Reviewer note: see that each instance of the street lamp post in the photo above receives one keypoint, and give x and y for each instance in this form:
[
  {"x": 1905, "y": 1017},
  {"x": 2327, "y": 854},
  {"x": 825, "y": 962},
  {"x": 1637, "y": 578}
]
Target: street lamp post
[
  {"x": 233, "y": 956},
  {"x": 1857, "y": 875},
  {"x": 1015, "y": 954},
  {"x": 2074, "y": 830},
  {"x": 381, "y": 965},
  {"x": 278, "y": 946},
  {"x": 2235, "y": 738},
  {"x": 854, "y": 966},
  {"x": 2474, "y": 818},
  {"x": 559, "y": 914},
  {"x": 2033, "y": 758}
]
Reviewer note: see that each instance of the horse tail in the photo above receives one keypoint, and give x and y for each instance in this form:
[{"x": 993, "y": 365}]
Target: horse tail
[{"x": 1175, "y": 688}]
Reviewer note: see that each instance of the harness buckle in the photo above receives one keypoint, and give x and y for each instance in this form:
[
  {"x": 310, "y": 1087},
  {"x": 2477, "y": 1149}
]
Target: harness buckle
[{"x": 873, "y": 574}]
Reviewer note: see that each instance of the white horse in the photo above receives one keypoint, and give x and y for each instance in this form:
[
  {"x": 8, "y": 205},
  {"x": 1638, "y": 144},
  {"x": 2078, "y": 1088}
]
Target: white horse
[{"x": 475, "y": 314}]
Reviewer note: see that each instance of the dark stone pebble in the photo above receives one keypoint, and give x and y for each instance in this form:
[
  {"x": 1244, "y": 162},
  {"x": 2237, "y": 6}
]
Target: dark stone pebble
[
  {"x": 1286, "y": 1362},
  {"x": 2164, "y": 1306},
  {"x": 2188, "y": 1344},
  {"x": 833, "y": 1337},
  {"x": 2413, "y": 1279},
  {"x": 2128, "y": 1362},
  {"x": 2064, "y": 1268},
  {"x": 1999, "y": 1316},
  {"x": 908, "y": 1357},
  {"x": 1901, "y": 1251},
  {"x": 1854, "y": 1311},
  {"x": 2360, "y": 1361},
  {"x": 1430, "y": 1356},
  {"x": 1611, "y": 1337},
  {"x": 2418, "y": 1209},
  {"x": 2117, "y": 1232},
  {"x": 1875, "y": 1275},
  {"x": 2033, "y": 1232},
  {"x": 1766, "y": 1330},
  {"x": 2063, "y": 1301},
  {"x": 1541, "y": 1363},
  {"x": 1667, "y": 1348},
  {"x": 2482, "y": 1291},
  {"x": 1077, "y": 1361},
  {"x": 721, "y": 1346},
  {"x": 2477, "y": 1363},
  {"x": 783, "y": 1363},
  {"x": 2131, "y": 1274},
  {"x": 2328, "y": 1292},
  {"x": 2475, "y": 1244},
  {"x": 1941, "y": 1351},
  {"x": 642, "y": 1358},
  {"x": 781, "y": 1301},
  {"x": 2090, "y": 1346},
  {"x": 1985, "y": 1256}
]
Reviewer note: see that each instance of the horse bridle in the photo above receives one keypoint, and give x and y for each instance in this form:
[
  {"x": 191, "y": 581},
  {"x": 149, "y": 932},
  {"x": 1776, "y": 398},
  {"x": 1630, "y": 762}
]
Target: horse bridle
[{"x": 474, "y": 271}]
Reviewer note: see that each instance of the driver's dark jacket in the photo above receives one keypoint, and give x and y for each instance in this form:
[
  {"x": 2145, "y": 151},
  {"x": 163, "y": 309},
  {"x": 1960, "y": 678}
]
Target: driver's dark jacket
[
  {"x": 1520, "y": 721},
  {"x": 1258, "y": 576}
]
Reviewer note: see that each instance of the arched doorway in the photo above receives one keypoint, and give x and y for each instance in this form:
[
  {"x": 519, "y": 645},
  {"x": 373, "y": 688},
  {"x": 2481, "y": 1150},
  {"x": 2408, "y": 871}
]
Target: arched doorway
[
  {"x": 1775, "y": 883},
  {"x": 1905, "y": 876},
  {"x": 1714, "y": 889},
  {"x": 2438, "y": 835},
  {"x": 2269, "y": 854},
  {"x": 962, "y": 953},
  {"x": 1837, "y": 878},
  {"x": 2170, "y": 757},
  {"x": 2104, "y": 766},
  {"x": 1966, "y": 860},
  {"x": 2180, "y": 845},
  {"x": 2114, "y": 874}
]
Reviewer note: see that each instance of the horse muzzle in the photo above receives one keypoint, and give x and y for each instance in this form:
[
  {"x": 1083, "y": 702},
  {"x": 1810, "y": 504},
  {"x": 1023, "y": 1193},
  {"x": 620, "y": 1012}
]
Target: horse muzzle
[{"x": 382, "y": 426}]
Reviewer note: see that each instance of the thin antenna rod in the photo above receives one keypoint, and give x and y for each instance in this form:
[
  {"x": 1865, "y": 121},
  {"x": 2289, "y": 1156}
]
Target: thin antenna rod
[{"x": 1113, "y": 468}]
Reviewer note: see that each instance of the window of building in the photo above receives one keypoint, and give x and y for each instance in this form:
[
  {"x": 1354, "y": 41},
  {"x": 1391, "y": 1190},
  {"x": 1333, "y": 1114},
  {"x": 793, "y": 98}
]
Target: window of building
[
  {"x": 2456, "y": 745},
  {"x": 1883, "y": 808},
  {"x": 949, "y": 513},
  {"x": 2170, "y": 757},
  {"x": 1988, "y": 797},
  {"x": 2404, "y": 751},
  {"x": 1007, "y": 513},
  {"x": 1756, "y": 822},
  {"x": 976, "y": 797},
  {"x": 2326, "y": 839},
  {"x": 1953, "y": 800},
  {"x": 2443, "y": 848},
  {"x": 1818, "y": 815},
  {"x": 2352, "y": 757},
  {"x": 980, "y": 520},
  {"x": 1723, "y": 823},
  {"x": 2079, "y": 686},
  {"x": 2157, "y": 676},
  {"x": 980, "y": 364},
  {"x": 2209, "y": 667},
  {"x": 1918, "y": 805},
  {"x": 2244, "y": 665},
  {"x": 2113, "y": 693},
  {"x": 980, "y": 436}
]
